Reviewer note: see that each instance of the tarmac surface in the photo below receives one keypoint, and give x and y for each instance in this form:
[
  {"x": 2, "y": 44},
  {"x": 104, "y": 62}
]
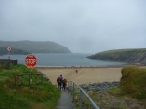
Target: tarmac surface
[{"x": 65, "y": 101}]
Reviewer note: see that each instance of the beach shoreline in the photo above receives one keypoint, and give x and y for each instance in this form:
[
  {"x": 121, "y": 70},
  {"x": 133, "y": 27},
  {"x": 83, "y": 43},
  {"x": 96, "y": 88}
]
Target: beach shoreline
[
  {"x": 84, "y": 75},
  {"x": 112, "y": 66}
]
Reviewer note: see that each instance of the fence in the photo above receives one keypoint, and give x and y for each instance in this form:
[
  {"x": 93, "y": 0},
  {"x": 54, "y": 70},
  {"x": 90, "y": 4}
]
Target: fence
[
  {"x": 2, "y": 61},
  {"x": 80, "y": 97},
  {"x": 28, "y": 80},
  {"x": 6, "y": 62}
]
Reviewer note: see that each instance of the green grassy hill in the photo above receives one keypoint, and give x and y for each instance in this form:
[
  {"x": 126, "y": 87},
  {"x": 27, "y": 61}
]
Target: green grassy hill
[
  {"x": 25, "y": 97},
  {"x": 36, "y": 46},
  {"x": 122, "y": 55}
]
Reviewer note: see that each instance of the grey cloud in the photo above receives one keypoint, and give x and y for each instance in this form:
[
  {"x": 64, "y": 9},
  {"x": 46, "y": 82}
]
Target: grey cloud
[{"x": 81, "y": 25}]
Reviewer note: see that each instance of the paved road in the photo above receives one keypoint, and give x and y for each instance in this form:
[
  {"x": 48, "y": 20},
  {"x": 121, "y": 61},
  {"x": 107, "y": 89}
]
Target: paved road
[{"x": 65, "y": 101}]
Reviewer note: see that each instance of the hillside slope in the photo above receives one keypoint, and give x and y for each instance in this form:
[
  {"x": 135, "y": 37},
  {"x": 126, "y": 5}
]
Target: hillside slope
[
  {"x": 122, "y": 55},
  {"x": 4, "y": 51},
  {"x": 42, "y": 94},
  {"x": 36, "y": 46}
]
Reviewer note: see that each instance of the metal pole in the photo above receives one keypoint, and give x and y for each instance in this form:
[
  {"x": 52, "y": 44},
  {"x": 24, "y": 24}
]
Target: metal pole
[
  {"x": 8, "y": 58},
  {"x": 29, "y": 80},
  {"x": 37, "y": 81},
  {"x": 30, "y": 77},
  {"x": 89, "y": 99},
  {"x": 73, "y": 92},
  {"x": 71, "y": 87},
  {"x": 81, "y": 99},
  {"x": 8, "y": 55}
]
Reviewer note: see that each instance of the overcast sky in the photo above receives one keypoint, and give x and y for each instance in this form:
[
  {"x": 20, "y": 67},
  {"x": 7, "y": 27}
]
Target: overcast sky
[{"x": 84, "y": 26}]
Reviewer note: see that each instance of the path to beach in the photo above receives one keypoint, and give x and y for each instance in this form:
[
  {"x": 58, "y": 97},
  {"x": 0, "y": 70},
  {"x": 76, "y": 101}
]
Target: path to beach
[
  {"x": 84, "y": 75},
  {"x": 92, "y": 75}
]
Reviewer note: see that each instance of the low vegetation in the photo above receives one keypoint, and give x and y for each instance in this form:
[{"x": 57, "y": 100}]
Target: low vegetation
[
  {"x": 132, "y": 87},
  {"x": 136, "y": 56},
  {"x": 131, "y": 93},
  {"x": 25, "y": 97},
  {"x": 133, "y": 82}
]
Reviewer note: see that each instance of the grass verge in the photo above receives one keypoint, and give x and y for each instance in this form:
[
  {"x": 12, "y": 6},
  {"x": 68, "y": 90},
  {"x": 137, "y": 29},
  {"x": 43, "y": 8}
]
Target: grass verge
[{"x": 13, "y": 97}]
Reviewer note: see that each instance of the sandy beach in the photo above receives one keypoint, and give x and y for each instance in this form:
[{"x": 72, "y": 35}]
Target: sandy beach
[{"x": 84, "y": 75}]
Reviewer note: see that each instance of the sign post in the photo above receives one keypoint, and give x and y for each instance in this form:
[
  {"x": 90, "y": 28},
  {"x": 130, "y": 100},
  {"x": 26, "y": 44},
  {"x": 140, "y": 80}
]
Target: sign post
[
  {"x": 30, "y": 62},
  {"x": 9, "y": 49}
]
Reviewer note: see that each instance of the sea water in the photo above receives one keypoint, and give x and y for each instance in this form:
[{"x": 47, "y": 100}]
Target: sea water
[{"x": 63, "y": 60}]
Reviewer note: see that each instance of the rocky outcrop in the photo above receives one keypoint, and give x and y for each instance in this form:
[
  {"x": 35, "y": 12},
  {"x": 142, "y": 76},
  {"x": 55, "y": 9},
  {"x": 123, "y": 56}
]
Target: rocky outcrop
[{"x": 104, "y": 86}]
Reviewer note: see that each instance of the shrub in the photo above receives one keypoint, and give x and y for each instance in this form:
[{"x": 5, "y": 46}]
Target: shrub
[{"x": 133, "y": 82}]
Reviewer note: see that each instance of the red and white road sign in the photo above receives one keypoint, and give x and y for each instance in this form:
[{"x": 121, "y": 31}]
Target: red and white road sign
[
  {"x": 30, "y": 61},
  {"x": 9, "y": 48}
]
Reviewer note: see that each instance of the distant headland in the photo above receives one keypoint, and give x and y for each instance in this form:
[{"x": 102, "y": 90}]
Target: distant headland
[
  {"x": 135, "y": 56},
  {"x": 25, "y": 47}
]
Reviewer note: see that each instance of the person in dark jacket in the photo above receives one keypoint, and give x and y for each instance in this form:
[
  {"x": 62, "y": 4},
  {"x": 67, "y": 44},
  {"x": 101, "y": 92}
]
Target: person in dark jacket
[
  {"x": 64, "y": 83},
  {"x": 59, "y": 81}
]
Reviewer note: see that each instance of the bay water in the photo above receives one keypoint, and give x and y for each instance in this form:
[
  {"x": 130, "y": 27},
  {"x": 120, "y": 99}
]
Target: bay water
[{"x": 64, "y": 60}]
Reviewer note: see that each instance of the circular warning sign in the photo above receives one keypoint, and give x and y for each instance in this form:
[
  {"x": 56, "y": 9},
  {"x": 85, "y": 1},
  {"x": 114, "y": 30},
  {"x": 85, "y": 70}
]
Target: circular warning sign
[{"x": 9, "y": 48}]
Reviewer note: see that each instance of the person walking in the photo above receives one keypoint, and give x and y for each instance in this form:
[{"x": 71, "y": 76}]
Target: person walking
[
  {"x": 64, "y": 82},
  {"x": 59, "y": 81}
]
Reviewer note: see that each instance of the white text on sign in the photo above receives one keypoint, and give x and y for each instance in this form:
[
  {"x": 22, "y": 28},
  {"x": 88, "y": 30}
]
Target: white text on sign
[{"x": 30, "y": 61}]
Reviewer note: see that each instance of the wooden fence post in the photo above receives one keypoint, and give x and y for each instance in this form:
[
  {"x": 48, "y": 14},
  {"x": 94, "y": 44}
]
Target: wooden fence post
[
  {"x": 37, "y": 80},
  {"x": 19, "y": 80}
]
